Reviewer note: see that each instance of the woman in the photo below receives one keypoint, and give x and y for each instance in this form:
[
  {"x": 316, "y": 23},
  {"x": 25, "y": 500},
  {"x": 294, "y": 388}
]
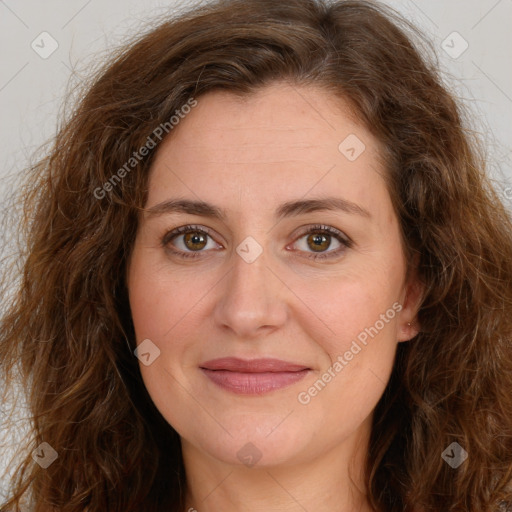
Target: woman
[{"x": 265, "y": 271}]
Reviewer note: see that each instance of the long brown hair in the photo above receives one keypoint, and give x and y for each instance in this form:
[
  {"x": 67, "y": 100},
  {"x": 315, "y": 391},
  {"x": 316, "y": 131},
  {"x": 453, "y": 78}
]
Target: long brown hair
[{"x": 67, "y": 326}]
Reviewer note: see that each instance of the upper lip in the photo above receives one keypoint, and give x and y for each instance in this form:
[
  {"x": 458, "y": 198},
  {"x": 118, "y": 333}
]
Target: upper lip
[{"x": 234, "y": 364}]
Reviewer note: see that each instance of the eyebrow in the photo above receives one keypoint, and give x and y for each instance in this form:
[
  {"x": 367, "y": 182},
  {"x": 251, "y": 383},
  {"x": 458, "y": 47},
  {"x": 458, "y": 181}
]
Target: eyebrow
[{"x": 288, "y": 209}]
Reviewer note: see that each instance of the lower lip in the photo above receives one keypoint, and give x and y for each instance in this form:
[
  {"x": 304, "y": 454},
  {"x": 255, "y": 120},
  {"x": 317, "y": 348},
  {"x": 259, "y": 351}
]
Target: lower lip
[{"x": 253, "y": 383}]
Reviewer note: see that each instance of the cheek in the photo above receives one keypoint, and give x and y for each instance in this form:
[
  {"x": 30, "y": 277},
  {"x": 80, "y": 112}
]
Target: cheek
[
  {"x": 160, "y": 307},
  {"x": 158, "y": 300},
  {"x": 344, "y": 308},
  {"x": 358, "y": 334},
  {"x": 360, "y": 348}
]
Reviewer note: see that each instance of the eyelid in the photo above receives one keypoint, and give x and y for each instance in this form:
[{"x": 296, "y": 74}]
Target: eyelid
[
  {"x": 345, "y": 241},
  {"x": 323, "y": 227},
  {"x": 181, "y": 230}
]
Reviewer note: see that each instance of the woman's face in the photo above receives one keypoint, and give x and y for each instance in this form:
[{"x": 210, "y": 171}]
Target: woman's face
[{"x": 268, "y": 182}]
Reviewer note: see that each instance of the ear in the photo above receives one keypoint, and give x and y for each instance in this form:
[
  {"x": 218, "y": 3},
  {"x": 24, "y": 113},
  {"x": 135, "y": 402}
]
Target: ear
[{"x": 412, "y": 295}]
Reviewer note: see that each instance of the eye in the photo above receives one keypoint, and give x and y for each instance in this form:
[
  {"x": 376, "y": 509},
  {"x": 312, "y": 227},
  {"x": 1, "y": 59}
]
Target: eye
[
  {"x": 189, "y": 240},
  {"x": 318, "y": 239}
]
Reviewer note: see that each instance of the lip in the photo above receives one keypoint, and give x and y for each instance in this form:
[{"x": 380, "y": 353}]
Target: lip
[
  {"x": 254, "y": 376},
  {"x": 234, "y": 364}
]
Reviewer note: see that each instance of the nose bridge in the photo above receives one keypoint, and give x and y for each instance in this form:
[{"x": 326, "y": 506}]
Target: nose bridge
[{"x": 250, "y": 298}]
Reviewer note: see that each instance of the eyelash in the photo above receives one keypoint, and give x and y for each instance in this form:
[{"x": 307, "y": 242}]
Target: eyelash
[{"x": 317, "y": 229}]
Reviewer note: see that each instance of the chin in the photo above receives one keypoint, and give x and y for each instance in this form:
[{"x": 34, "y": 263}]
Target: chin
[{"x": 251, "y": 445}]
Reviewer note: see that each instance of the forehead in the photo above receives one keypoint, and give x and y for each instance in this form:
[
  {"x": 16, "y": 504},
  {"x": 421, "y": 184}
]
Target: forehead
[
  {"x": 281, "y": 141},
  {"x": 278, "y": 116}
]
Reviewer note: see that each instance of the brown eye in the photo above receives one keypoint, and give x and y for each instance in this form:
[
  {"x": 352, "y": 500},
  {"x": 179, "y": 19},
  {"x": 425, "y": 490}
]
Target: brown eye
[
  {"x": 195, "y": 241},
  {"x": 189, "y": 241},
  {"x": 319, "y": 242}
]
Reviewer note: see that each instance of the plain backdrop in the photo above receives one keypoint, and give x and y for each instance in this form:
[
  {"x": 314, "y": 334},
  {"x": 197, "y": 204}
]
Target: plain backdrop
[{"x": 43, "y": 44}]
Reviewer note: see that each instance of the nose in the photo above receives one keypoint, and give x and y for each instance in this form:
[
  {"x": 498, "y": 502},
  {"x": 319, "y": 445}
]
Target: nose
[{"x": 251, "y": 301}]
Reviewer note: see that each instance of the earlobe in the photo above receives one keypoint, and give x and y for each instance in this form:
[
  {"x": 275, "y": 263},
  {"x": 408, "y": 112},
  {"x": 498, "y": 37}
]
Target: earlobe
[
  {"x": 407, "y": 331},
  {"x": 409, "y": 326}
]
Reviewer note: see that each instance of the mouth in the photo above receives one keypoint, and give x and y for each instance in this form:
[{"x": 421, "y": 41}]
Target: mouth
[{"x": 253, "y": 377}]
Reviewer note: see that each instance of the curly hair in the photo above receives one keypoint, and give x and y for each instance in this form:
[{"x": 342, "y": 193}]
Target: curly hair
[{"x": 67, "y": 324}]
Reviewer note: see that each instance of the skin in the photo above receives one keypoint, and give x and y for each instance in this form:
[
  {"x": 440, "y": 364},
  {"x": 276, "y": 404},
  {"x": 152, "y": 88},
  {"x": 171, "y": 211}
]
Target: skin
[{"x": 248, "y": 156}]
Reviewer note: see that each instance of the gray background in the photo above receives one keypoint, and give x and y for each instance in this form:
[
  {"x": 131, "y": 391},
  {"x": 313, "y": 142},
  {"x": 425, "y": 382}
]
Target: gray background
[{"x": 32, "y": 88}]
